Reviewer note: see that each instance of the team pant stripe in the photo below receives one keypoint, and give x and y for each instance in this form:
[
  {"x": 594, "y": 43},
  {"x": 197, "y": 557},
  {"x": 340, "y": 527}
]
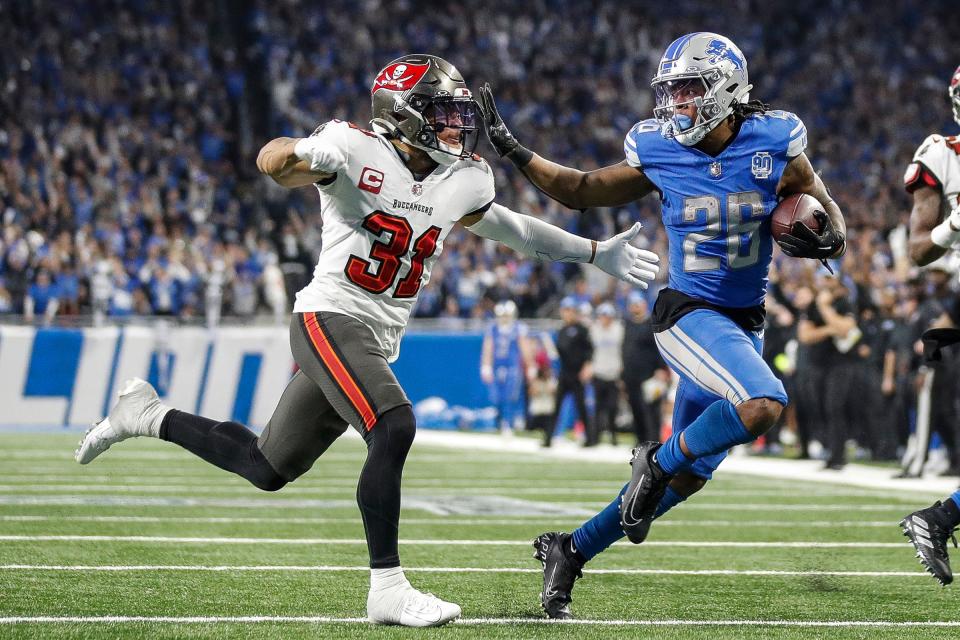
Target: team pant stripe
[
  {"x": 681, "y": 369},
  {"x": 711, "y": 362},
  {"x": 704, "y": 376},
  {"x": 338, "y": 371}
]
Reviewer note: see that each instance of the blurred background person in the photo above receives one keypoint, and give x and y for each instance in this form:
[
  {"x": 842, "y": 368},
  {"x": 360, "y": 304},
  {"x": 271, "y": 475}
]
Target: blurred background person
[
  {"x": 575, "y": 351},
  {"x": 506, "y": 361},
  {"x": 43, "y": 299},
  {"x": 642, "y": 364},
  {"x": 606, "y": 334}
]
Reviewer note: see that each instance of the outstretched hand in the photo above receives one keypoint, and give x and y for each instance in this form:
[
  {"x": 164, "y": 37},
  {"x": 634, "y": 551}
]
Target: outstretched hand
[{"x": 626, "y": 262}]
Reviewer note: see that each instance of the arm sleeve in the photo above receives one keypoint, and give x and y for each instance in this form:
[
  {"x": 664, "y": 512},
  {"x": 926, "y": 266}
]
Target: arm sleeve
[
  {"x": 327, "y": 148},
  {"x": 532, "y": 237}
]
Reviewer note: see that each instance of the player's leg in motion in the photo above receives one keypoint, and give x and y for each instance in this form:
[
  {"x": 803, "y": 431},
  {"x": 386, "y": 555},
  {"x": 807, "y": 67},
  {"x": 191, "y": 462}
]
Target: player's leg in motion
[
  {"x": 340, "y": 362},
  {"x": 710, "y": 350},
  {"x": 563, "y": 555},
  {"x": 709, "y": 413},
  {"x": 928, "y": 530}
]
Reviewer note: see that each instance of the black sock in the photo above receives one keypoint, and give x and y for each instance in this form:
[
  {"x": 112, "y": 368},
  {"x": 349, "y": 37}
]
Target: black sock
[
  {"x": 228, "y": 445},
  {"x": 378, "y": 492},
  {"x": 951, "y": 514}
]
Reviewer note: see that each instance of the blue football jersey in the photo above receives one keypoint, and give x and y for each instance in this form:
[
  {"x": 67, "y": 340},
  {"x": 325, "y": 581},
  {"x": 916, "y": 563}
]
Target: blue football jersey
[
  {"x": 506, "y": 345},
  {"x": 717, "y": 209}
]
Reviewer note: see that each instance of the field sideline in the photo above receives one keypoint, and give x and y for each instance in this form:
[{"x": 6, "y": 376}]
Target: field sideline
[{"x": 151, "y": 542}]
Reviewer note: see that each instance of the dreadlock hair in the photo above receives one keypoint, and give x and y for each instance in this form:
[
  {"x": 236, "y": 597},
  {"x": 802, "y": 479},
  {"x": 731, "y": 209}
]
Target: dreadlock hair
[{"x": 741, "y": 110}]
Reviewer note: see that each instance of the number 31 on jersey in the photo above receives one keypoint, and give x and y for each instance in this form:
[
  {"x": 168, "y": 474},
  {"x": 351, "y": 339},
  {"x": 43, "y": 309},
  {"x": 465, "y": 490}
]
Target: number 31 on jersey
[{"x": 388, "y": 253}]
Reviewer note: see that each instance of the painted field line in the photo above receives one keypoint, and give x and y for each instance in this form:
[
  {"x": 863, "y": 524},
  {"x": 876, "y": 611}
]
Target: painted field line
[
  {"x": 733, "y": 544},
  {"x": 365, "y": 569},
  {"x": 894, "y": 624},
  {"x": 442, "y": 520},
  {"x": 260, "y": 501}
]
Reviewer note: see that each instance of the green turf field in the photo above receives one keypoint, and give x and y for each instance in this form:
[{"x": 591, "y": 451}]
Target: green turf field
[{"x": 149, "y": 542}]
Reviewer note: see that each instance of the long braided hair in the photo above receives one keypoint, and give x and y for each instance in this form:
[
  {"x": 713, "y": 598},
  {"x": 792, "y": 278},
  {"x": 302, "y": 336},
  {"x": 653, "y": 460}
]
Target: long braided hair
[{"x": 741, "y": 110}]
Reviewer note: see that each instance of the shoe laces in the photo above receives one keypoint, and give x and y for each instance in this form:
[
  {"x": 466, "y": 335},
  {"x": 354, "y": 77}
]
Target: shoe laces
[{"x": 421, "y": 602}]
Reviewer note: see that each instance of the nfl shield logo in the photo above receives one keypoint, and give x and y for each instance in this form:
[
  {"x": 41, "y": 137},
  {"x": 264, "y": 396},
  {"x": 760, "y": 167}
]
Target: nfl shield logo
[
  {"x": 416, "y": 190},
  {"x": 716, "y": 169},
  {"x": 761, "y": 165}
]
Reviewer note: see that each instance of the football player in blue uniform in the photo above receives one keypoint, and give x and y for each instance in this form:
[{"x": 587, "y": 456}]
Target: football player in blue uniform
[
  {"x": 505, "y": 361},
  {"x": 719, "y": 163}
]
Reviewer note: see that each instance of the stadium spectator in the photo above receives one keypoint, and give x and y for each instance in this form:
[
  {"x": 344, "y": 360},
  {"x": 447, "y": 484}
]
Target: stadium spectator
[
  {"x": 642, "y": 364},
  {"x": 127, "y": 133},
  {"x": 42, "y": 299},
  {"x": 575, "y": 351},
  {"x": 606, "y": 334}
]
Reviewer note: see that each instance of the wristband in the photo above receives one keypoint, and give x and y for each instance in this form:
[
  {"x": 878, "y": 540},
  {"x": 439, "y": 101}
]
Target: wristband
[
  {"x": 944, "y": 235},
  {"x": 520, "y": 156}
]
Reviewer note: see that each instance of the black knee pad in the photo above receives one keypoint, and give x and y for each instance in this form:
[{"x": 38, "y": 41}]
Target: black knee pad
[
  {"x": 395, "y": 429},
  {"x": 261, "y": 474}
]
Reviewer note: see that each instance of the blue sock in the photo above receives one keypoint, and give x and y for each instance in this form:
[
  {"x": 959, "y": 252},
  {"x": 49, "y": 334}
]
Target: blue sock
[
  {"x": 600, "y": 531},
  {"x": 955, "y": 496},
  {"x": 715, "y": 430},
  {"x": 603, "y": 529},
  {"x": 669, "y": 500}
]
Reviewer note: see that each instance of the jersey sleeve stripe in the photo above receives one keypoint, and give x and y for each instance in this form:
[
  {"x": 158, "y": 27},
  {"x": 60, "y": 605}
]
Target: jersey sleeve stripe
[
  {"x": 797, "y": 129},
  {"x": 797, "y": 145},
  {"x": 338, "y": 370},
  {"x": 630, "y": 143},
  {"x": 632, "y": 158}
]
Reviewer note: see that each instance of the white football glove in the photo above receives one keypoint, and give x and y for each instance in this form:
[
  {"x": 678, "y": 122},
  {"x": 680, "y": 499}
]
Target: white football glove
[{"x": 626, "y": 262}]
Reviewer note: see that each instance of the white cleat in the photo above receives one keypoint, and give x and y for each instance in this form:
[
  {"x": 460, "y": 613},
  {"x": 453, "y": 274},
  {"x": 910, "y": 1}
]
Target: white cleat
[
  {"x": 138, "y": 412},
  {"x": 407, "y": 607}
]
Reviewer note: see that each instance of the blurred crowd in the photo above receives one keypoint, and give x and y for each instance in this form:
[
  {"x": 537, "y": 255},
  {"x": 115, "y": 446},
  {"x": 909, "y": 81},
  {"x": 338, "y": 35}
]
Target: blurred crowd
[{"x": 128, "y": 132}]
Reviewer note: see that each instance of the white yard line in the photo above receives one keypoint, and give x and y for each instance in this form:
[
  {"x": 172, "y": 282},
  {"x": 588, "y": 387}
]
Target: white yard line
[
  {"x": 858, "y": 475},
  {"x": 264, "y": 500},
  {"x": 446, "y": 521},
  {"x": 733, "y": 544},
  {"x": 365, "y": 569},
  {"x": 894, "y": 624}
]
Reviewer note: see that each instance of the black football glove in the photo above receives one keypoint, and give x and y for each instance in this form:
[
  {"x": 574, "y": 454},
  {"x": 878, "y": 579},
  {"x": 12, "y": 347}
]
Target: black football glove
[
  {"x": 803, "y": 242},
  {"x": 498, "y": 134}
]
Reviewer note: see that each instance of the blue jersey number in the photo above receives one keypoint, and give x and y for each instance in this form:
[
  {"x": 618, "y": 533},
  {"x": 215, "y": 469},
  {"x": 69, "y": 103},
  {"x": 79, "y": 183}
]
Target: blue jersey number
[{"x": 737, "y": 229}]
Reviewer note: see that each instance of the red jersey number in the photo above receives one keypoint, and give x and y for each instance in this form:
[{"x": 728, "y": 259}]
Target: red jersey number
[{"x": 377, "y": 278}]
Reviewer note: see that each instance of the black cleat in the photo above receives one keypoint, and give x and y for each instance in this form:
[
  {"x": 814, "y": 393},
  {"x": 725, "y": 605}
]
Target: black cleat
[
  {"x": 927, "y": 533},
  {"x": 560, "y": 571},
  {"x": 643, "y": 494}
]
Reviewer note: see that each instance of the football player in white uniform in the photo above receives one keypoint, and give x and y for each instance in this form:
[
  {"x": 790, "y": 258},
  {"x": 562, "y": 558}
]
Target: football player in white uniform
[
  {"x": 389, "y": 198},
  {"x": 934, "y": 180}
]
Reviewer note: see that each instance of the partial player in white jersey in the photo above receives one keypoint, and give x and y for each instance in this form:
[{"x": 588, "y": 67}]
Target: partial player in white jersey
[
  {"x": 934, "y": 180},
  {"x": 389, "y": 198}
]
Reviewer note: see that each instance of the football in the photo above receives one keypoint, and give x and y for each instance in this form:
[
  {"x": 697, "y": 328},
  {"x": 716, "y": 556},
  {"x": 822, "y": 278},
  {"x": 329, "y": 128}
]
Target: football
[{"x": 799, "y": 207}]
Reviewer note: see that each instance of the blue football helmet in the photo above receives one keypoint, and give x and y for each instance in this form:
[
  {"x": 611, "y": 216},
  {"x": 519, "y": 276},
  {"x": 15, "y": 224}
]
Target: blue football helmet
[{"x": 706, "y": 69}]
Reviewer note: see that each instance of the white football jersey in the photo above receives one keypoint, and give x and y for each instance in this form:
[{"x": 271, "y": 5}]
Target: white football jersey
[
  {"x": 383, "y": 229},
  {"x": 937, "y": 164}
]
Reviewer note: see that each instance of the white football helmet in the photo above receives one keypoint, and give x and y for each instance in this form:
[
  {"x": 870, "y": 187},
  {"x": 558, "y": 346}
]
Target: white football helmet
[
  {"x": 954, "y": 93},
  {"x": 704, "y": 68},
  {"x": 505, "y": 312}
]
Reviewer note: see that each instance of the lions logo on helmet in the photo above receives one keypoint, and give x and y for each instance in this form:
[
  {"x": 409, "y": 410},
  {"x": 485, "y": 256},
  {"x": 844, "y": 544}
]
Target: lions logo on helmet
[{"x": 705, "y": 69}]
